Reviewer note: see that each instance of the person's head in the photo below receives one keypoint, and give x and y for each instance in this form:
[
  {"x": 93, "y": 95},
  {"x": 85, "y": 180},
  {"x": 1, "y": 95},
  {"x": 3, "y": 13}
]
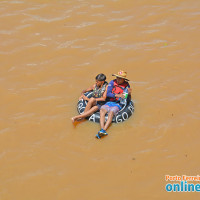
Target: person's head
[
  {"x": 121, "y": 77},
  {"x": 100, "y": 79},
  {"x": 120, "y": 80}
]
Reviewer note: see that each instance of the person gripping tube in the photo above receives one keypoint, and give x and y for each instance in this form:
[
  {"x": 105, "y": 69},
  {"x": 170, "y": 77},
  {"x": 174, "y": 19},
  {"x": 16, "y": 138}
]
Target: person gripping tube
[
  {"x": 115, "y": 91},
  {"x": 98, "y": 97}
]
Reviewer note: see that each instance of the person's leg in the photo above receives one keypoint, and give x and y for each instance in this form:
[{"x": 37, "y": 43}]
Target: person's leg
[
  {"x": 103, "y": 112},
  {"x": 85, "y": 114},
  {"x": 90, "y": 104},
  {"x": 109, "y": 120},
  {"x": 113, "y": 111}
]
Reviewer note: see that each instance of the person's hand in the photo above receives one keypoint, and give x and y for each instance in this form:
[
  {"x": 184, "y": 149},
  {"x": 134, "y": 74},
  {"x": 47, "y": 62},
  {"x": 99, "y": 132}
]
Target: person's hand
[
  {"x": 83, "y": 92},
  {"x": 129, "y": 91},
  {"x": 81, "y": 97},
  {"x": 84, "y": 97},
  {"x": 93, "y": 100},
  {"x": 119, "y": 95}
]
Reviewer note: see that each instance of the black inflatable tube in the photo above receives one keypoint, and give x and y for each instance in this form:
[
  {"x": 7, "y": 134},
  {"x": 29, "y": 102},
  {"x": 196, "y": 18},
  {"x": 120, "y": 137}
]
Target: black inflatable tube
[{"x": 122, "y": 115}]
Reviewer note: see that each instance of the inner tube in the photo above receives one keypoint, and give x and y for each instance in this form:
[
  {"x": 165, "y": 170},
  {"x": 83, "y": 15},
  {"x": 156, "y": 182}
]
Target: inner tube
[{"x": 122, "y": 115}]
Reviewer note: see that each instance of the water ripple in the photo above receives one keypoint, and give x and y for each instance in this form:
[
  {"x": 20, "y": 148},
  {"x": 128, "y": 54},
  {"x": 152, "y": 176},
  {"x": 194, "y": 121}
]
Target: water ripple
[
  {"x": 174, "y": 97},
  {"x": 82, "y": 25},
  {"x": 121, "y": 19},
  {"x": 150, "y": 31},
  {"x": 18, "y": 49},
  {"x": 97, "y": 6},
  {"x": 69, "y": 43},
  {"x": 51, "y": 82},
  {"x": 158, "y": 60},
  {"x": 195, "y": 13},
  {"x": 42, "y": 19},
  {"x": 16, "y": 2},
  {"x": 159, "y": 24},
  {"x": 23, "y": 115},
  {"x": 45, "y": 98},
  {"x": 6, "y": 32},
  {"x": 2, "y": 131}
]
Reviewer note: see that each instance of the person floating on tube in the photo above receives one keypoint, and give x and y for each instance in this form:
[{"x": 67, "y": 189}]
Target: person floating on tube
[{"x": 115, "y": 92}]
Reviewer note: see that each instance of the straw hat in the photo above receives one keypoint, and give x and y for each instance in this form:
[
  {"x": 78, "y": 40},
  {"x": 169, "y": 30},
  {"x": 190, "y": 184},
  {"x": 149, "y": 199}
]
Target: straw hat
[{"x": 121, "y": 74}]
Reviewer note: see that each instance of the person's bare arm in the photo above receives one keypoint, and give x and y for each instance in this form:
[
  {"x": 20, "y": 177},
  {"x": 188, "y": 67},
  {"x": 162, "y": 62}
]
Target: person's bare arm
[
  {"x": 88, "y": 89},
  {"x": 84, "y": 91}
]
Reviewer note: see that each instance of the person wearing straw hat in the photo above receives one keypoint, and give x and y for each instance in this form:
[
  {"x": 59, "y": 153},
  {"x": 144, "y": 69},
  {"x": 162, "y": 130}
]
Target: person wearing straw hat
[{"x": 115, "y": 91}]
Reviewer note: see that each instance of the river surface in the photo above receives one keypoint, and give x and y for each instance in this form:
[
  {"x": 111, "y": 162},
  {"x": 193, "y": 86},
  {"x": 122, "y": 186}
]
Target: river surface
[{"x": 50, "y": 51}]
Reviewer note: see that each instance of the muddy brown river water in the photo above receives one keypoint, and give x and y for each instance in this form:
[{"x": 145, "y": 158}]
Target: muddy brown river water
[{"x": 50, "y": 51}]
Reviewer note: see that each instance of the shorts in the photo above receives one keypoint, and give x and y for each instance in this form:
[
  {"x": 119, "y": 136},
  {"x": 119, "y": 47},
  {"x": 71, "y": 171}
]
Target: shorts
[
  {"x": 111, "y": 107},
  {"x": 99, "y": 106}
]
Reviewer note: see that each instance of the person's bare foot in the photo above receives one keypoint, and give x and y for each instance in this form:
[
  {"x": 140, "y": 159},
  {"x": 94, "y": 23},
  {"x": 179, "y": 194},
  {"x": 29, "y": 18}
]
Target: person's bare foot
[
  {"x": 76, "y": 119},
  {"x": 73, "y": 119}
]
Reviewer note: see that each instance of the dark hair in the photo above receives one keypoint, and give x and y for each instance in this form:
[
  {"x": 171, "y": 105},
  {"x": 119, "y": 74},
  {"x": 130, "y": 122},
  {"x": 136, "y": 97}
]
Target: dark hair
[{"x": 101, "y": 77}]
